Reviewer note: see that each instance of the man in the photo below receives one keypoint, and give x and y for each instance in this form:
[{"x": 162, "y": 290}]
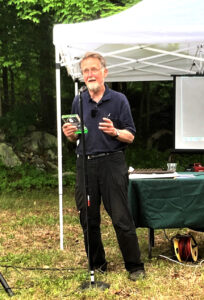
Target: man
[{"x": 107, "y": 116}]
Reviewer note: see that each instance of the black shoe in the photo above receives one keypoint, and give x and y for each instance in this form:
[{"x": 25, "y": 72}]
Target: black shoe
[
  {"x": 102, "y": 268},
  {"x": 136, "y": 275}
]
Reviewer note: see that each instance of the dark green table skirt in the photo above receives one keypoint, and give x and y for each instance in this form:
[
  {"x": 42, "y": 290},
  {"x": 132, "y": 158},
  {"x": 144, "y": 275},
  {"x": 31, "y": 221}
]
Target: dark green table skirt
[{"x": 168, "y": 203}]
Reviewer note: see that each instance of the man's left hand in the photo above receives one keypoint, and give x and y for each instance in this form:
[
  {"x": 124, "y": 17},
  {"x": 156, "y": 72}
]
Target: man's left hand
[{"x": 108, "y": 127}]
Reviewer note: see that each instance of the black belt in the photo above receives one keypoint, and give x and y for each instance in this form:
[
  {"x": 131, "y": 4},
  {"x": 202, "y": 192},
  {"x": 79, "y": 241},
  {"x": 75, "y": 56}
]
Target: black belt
[{"x": 94, "y": 156}]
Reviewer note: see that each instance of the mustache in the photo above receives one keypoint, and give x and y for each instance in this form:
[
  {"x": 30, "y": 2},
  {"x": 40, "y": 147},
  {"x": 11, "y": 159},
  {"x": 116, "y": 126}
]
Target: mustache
[{"x": 91, "y": 78}]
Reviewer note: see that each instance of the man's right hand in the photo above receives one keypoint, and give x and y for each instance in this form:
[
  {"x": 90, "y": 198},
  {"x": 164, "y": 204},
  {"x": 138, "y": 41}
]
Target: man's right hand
[{"x": 69, "y": 131}]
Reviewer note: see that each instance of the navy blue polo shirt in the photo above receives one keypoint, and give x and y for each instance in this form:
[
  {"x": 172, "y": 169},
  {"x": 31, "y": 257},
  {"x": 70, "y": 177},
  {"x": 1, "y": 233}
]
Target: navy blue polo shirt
[{"x": 113, "y": 105}]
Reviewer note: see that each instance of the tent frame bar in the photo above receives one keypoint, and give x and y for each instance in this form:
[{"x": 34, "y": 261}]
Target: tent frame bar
[{"x": 145, "y": 61}]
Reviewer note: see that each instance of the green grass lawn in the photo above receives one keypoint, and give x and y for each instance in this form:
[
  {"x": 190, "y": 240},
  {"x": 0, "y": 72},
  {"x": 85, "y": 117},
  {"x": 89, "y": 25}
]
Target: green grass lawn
[{"x": 35, "y": 268}]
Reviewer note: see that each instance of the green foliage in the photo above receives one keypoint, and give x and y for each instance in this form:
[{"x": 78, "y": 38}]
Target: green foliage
[
  {"x": 27, "y": 52},
  {"x": 16, "y": 122},
  {"x": 184, "y": 160},
  {"x": 152, "y": 109},
  {"x": 68, "y": 11},
  {"x": 27, "y": 177},
  {"x": 27, "y": 10},
  {"x": 140, "y": 158}
]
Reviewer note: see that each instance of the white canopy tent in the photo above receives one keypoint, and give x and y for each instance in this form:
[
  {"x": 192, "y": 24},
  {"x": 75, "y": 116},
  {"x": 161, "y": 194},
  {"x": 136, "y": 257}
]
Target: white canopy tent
[
  {"x": 153, "y": 40},
  {"x": 150, "y": 41}
]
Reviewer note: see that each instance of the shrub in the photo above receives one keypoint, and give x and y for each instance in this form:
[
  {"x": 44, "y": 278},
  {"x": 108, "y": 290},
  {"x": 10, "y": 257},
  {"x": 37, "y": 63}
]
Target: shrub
[{"x": 27, "y": 177}]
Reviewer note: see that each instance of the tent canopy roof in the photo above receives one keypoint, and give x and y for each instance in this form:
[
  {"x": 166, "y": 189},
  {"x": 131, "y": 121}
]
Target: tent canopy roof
[{"x": 152, "y": 40}]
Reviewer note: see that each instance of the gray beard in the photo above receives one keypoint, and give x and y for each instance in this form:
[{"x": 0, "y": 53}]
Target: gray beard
[{"x": 95, "y": 89}]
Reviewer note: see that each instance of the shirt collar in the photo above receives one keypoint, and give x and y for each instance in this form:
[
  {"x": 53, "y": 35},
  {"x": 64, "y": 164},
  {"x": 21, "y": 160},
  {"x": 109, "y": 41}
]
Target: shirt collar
[{"x": 106, "y": 95}]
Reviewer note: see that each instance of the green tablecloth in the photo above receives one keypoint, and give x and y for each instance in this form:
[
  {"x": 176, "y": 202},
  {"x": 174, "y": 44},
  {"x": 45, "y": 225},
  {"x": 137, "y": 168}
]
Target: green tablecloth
[{"x": 168, "y": 203}]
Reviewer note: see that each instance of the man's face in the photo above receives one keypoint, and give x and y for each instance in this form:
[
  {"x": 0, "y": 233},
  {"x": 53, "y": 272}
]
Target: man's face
[{"x": 94, "y": 74}]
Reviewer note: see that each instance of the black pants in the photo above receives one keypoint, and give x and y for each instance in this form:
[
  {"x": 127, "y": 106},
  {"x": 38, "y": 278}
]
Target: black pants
[{"x": 107, "y": 179}]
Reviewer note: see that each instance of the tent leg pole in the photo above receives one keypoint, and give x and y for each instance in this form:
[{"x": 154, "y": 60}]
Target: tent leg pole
[{"x": 59, "y": 145}]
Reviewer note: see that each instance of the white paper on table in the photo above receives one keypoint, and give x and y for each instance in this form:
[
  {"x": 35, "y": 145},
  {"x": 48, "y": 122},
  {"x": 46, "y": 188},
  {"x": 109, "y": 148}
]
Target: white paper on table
[
  {"x": 185, "y": 176},
  {"x": 154, "y": 175}
]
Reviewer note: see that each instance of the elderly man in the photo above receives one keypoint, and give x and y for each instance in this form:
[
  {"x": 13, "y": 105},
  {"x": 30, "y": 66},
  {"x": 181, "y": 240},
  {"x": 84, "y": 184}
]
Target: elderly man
[{"x": 107, "y": 116}]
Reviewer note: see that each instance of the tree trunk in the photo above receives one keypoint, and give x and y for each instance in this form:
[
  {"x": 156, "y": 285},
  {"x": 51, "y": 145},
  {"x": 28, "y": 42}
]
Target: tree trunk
[
  {"x": 145, "y": 109},
  {"x": 46, "y": 76},
  {"x": 13, "y": 100},
  {"x": 0, "y": 104},
  {"x": 5, "y": 89}
]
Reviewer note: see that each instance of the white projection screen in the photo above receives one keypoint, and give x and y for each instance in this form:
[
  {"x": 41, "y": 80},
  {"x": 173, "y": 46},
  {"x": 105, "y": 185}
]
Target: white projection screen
[{"x": 189, "y": 113}]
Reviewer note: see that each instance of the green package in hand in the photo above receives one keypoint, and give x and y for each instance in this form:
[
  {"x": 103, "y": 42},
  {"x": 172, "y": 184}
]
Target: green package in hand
[{"x": 75, "y": 120}]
